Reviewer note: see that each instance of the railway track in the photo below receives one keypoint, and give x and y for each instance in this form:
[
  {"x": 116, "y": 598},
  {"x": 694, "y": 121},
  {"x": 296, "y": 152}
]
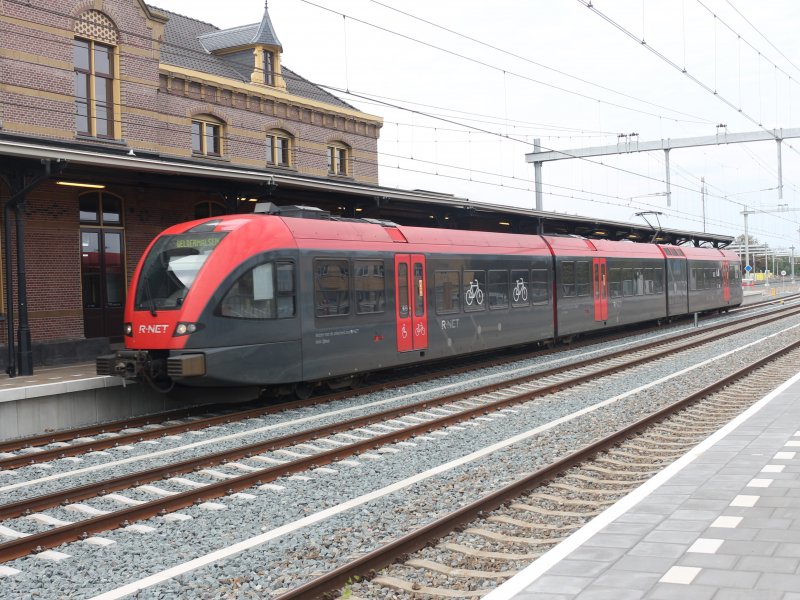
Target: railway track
[
  {"x": 370, "y": 432},
  {"x": 32, "y": 450},
  {"x": 470, "y": 551}
]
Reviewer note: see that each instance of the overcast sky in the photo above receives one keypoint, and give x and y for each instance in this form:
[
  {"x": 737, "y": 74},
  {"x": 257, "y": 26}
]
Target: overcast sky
[{"x": 499, "y": 74}]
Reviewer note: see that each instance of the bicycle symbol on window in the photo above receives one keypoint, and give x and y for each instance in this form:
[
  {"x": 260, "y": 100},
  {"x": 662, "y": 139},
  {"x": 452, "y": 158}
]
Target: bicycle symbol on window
[
  {"x": 520, "y": 291},
  {"x": 474, "y": 293},
  {"x": 420, "y": 330}
]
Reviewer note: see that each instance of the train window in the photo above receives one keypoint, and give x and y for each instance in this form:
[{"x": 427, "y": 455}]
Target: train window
[
  {"x": 699, "y": 279},
  {"x": 520, "y": 288},
  {"x": 419, "y": 290},
  {"x": 648, "y": 282},
  {"x": 498, "y": 289},
  {"x": 583, "y": 278},
  {"x": 252, "y": 296},
  {"x": 402, "y": 290},
  {"x": 331, "y": 287},
  {"x": 638, "y": 282},
  {"x": 446, "y": 290},
  {"x": 568, "y": 278},
  {"x": 615, "y": 283},
  {"x": 658, "y": 281},
  {"x": 286, "y": 296},
  {"x": 735, "y": 273},
  {"x": 540, "y": 286},
  {"x": 369, "y": 286},
  {"x": 716, "y": 278},
  {"x": 474, "y": 290},
  {"x": 627, "y": 282}
]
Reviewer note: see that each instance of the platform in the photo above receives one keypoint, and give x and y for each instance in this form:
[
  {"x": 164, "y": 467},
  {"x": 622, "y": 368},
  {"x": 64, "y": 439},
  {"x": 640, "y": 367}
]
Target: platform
[
  {"x": 70, "y": 396},
  {"x": 721, "y": 523}
]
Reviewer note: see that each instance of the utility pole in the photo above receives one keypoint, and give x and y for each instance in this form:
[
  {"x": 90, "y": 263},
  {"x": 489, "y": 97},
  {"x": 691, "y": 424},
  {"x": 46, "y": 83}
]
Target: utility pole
[
  {"x": 703, "y": 199},
  {"x": 537, "y": 174},
  {"x": 792, "y": 247}
]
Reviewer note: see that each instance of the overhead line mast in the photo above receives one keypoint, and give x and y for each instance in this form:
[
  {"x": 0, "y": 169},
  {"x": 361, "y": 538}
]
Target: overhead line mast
[{"x": 630, "y": 145}]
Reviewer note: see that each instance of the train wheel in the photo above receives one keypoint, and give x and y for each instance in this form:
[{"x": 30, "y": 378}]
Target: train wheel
[
  {"x": 303, "y": 390},
  {"x": 342, "y": 383}
]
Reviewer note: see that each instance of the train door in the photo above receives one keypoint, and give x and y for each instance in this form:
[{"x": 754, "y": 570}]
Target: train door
[
  {"x": 726, "y": 280},
  {"x": 600, "y": 280},
  {"x": 411, "y": 307}
]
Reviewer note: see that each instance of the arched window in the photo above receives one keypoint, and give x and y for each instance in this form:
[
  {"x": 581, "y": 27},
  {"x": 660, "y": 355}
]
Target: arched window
[
  {"x": 207, "y": 134},
  {"x": 339, "y": 155},
  {"x": 279, "y": 148},
  {"x": 95, "y": 60},
  {"x": 204, "y": 210}
]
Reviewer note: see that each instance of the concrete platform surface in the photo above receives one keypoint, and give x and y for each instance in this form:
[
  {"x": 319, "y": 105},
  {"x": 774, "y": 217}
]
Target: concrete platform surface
[{"x": 721, "y": 523}]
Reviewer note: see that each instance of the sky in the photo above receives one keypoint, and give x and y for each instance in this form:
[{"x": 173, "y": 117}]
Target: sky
[{"x": 464, "y": 87}]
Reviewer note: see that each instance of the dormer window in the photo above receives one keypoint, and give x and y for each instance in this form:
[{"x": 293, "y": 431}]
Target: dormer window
[{"x": 269, "y": 67}]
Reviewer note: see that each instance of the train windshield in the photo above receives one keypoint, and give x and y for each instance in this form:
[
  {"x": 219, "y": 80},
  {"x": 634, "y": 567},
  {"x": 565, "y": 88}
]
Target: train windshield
[{"x": 171, "y": 268}]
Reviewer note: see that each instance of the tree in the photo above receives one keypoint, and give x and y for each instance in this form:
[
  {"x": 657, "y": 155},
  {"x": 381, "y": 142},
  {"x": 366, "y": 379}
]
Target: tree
[{"x": 752, "y": 241}]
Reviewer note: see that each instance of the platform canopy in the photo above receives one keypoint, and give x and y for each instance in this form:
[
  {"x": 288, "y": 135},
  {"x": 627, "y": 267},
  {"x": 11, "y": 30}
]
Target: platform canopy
[{"x": 242, "y": 188}]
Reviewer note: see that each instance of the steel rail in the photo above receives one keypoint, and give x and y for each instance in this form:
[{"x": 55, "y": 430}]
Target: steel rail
[
  {"x": 418, "y": 539},
  {"x": 48, "y": 539}
]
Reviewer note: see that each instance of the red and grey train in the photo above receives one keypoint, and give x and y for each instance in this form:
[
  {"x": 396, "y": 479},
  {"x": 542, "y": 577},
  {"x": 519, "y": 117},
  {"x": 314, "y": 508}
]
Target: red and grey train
[{"x": 286, "y": 303}]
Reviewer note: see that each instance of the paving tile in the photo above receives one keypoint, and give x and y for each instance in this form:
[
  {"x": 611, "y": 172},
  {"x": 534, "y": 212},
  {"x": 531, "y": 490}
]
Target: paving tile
[
  {"x": 637, "y": 517},
  {"x": 658, "y": 550},
  {"x": 671, "y": 537},
  {"x": 709, "y": 561},
  {"x": 608, "y": 555},
  {"x": 715, "y": 504},
  {"x": 580, "y": 568},
  {"x": 778, "y": 581},
  {"x": 609, "y": 593},
  {"x": 790, "y": 550},
  {"x": 749, "y": 594},
  {"x": 777, "y": 535},
  {"x": 681, "y": 525},
  {"x": 745, "y": 500},
  {"x": 628, "y": 528},
  {"x": 772, "y": 564},
  {"x": 749, "y": 548},
  {"x": 559, "y": 584},
  {"x": 645, "y": 564},
  {"x": 625, "y": 579},
  {"x": 680, "y": 575},
  {"x": 740, "y": 534},
  {"x": 608, "y": 540},
  {"x": 767, "y": 523},
  {"x": 695, "y": 515},
  {"x": 705, "y": 546},
  {"x": 526, "y": 595},
  {"x": 735, "y": 579},
  {"x": 760, "y": 482}
]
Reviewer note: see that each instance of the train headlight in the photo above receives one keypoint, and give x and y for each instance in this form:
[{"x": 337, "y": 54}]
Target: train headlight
[
  {"x": 185, "y": 328},
  {"x": 128, "y": 329}
]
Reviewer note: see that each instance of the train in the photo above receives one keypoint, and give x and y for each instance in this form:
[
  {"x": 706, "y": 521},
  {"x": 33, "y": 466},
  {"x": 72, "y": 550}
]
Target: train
[{"x": 287, "y": 301}]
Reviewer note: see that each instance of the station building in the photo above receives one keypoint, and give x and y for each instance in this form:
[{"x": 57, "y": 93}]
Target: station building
[{"x": 115, "y": 117}]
